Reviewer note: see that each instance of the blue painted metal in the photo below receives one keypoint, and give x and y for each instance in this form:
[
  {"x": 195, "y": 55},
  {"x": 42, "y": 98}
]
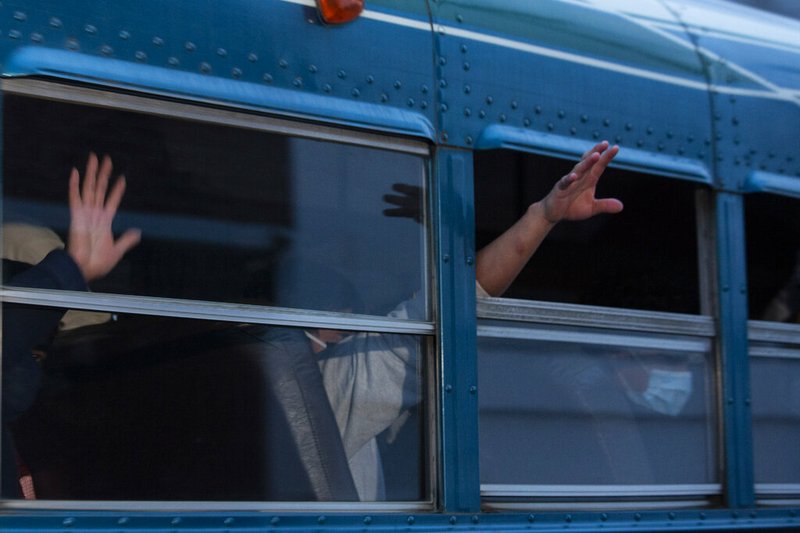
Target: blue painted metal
[
  {"x": 687, "y": 92},
  {"x": 457, "y": 342},
  {"x": 732, "y": 313}
]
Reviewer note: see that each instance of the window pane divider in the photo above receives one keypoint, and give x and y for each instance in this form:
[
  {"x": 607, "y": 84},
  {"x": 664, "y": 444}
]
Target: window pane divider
[
  {"x": 599, "y": 491},
  {"x": 228, "y": 312},
  {"x": 758, "y": 330},
  {"x": 552, "y": 313}
]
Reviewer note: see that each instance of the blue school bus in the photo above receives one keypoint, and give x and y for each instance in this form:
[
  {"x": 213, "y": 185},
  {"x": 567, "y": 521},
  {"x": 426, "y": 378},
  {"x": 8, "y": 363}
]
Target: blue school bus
[{"x": 298, "y": 342}]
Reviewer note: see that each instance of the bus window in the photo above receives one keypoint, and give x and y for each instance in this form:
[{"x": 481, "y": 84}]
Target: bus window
[
  {"x": 157, "y": 408},
  {"x": 267, "y": 339},
  {"x": 227, "y": 214},
  {"x": 596, "y": 368},
  {"x": 773, "y": 269}
]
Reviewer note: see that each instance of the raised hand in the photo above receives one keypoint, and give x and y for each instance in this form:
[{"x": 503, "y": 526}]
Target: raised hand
[
  {"x": 573, "y": 196},
  {"x": 408, "y": 204},
  {"x": 91, "y": 242}
]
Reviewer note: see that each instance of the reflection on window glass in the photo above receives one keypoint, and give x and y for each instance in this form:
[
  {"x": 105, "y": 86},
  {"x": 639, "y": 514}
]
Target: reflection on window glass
[
  {"x": 564, "y": 412},
  {"x": 642, "y": 258},
  {"x": 226, "y": 214},
  {"x": 147, "y": 408},
  {"x": 773, "y": 257},
  {"x": 775, "y": 385}
]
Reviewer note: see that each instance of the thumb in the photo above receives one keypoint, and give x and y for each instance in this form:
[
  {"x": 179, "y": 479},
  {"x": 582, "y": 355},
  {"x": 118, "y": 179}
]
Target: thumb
[
  {"x": 128, "y": 240},
  {"x": 607, "y": 205}
]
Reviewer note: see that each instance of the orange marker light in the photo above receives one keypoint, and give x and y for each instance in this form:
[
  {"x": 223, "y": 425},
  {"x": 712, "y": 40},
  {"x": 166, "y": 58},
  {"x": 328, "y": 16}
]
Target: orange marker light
[{"x": 339, "y": 11}]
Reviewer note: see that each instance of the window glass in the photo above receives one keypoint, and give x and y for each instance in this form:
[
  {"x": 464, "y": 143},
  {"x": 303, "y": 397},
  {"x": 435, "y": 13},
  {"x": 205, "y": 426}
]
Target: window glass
[
  {"x": 560, "y": 406},
  {"x": 227, "y": 214},
  {"x": 773, "y": 269},
  {"x": 642, "y": 258},
  {"x": 149, "y": 408}
]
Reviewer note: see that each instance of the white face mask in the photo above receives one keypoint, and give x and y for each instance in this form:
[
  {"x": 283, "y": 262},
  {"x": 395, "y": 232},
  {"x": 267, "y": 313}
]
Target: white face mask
[{"x": 667, "y": 391}]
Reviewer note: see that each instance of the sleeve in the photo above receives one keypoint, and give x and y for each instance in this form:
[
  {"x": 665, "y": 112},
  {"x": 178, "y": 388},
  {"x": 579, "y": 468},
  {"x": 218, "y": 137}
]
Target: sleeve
[{"x": 25, "y": 326}]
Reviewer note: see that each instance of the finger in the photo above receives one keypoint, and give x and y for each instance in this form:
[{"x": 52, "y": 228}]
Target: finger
[
  {"x": 127, "y": 240},
  {"x": 607, "y": 205},
  {"x": 585, "y": 164},
  {"x": 115, "y": 196},
  {"x": 74, "y": 192},
  {"x": 411, "y": 190},
  {"x": 89, "y": 177},
  {"x": 567, "y": 180},
  {"x": 401, "y": 212},
  {"x": 604, "y": 160},
  {"x": 403, "y": 201},
  {"x": 102, "y": 181},
  {"x": 599, "y": 147}
]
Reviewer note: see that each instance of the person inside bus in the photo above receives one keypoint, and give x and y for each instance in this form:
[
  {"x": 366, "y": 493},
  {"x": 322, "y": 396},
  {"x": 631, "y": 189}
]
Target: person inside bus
[
  {"x": 91, "y": 253},
  {"x": 370, "y": 377}
]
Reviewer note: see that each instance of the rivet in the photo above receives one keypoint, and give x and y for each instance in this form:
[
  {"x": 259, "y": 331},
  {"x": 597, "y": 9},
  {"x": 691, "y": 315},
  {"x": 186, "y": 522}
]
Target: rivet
[
  {"x": 221, "y": 52},
  {"x": 140, "y": 56},
  {"x": 122, "y": 521},
  {"x": 158, "y": 41},
  {"x": 68, "y": 522},
  {"x": 275, "y": 521},
  {"x": 283, "y": 63},
  {"x": 604, "y": 517},
  {"x": 690, "y": 138},
  {"x": 628, "y": 126},
  {"x": 205, "y": 67},
  {"x": 106, "y": 50},
  {"x": 573, "y": 130},
  {"x": 236, "y": 73},
  {"x": 442, "y": 84},
  {"x": 672, "y": 516},
  {"x": 681, "y": 151},
  {"x": 660, "y": 147},
  {"x": 448, "y": 388},
  {"x": 537, "y": 110},
  {"x": 527, "y": 122},
  {"x": 327, "y": 88},
  {"x": 568, "y": 518},
  {"x": 190, "y": 46},
  {"x": 618, "y": 139},
  {"x": 730, "y": 400},
  {"x": 410, "y": 520},
  {"x": 470, "y": 260},
  {"x": 442, "y": 61},
  {"x": 735, "y": 121},
  {"x": 424, "y": 104},
  {"x": 649, "y": 130},
  {"x": 173, "y": 61},
  {"x": 489, "y": 100},
  {"x": 561, "y": 113},
  {"x": 398, "y": 85},
  {"x": 482, "y": 114},
  {"x": 321, "y": 520},
  {"x": 514, "y": 104},
  {"x": 252, "y": 57},
  {"x": 55, "y": 23},
  {"x": 72, "y": 44},
  {"x": 370, "y": 79},
  {"x": 531, "y": 518},
  {"x": 473, "y": 389},
  {"x": 464, "y": 48},
  {"x": 595, "y": 134},
  {"x": 584, "y": 118},
  {"x": 446, "y": 258},
  {"x": 91, "y": 30},
  {"x": 37, "y": 37},
  {"x": 467, "y": 89},
  {"x": 453, "y": 520},
  {"x": 384, "y": 97},
  {"x": 312, "y": 69},
  {"x": 467, "y": 111},
  {"x": 502, "y": 117},
  {"x": 267, "y": 77},
  {"x": 175, "y": 521},
  {"x": 746, "y": 400},
  {"x": 753, "y": 514},
  {"x": 444, "y": 136},
  {"x": 459, "y": 18},
  {"x": 701, "y": 155},
  {"x": 367, "y": 520},
  {"x": 639, "y": 143},
  {"x": 475, "y": 519},
  {"x": 637, "y": 517},
  {"x": 410, "y": 102},
  {"x": 443, "y": 108},
  {"x": 718, "y": 136},
  {"x": 124, "y": 35},
  {"x": 551, "y": 126},
  {"x": 606, "y": 122},
  {"x": 702, "y": 516},
  {"x": 424, "y": 89},
  {"x": 466, "y": 65},
  {"x": 298, "y": 82},
  {"x": 468, "y": 140}
]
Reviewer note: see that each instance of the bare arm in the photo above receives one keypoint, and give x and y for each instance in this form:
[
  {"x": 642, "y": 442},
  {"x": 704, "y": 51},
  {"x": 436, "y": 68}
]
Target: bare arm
[
  {"x": 572, "y": 198},
  {"x": 91, "y": 243}
]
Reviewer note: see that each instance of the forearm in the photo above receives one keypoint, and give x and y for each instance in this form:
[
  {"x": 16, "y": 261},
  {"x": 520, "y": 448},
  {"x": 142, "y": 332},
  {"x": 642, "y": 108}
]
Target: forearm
[{"x": 501, "y": 261}]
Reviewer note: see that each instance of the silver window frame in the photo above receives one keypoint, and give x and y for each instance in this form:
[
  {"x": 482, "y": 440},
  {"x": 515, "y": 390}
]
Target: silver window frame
[{"x": 222, "y": 113}]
